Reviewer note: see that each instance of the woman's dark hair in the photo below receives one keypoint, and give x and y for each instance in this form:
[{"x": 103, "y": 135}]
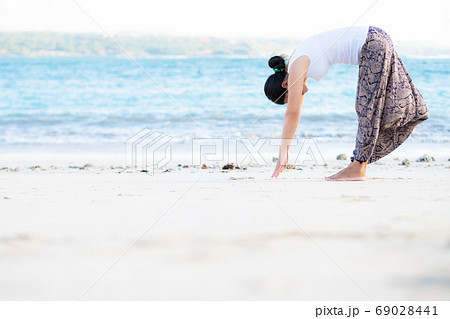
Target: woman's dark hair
[{"x": 273, "y": 89}]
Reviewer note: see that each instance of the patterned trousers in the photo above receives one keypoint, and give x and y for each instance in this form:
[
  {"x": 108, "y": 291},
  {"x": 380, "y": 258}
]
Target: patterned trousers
[{"x": 388, "y": 104}]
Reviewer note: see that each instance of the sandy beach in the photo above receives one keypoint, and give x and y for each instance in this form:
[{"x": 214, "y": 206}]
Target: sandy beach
[{"x": 92, "y": 229}]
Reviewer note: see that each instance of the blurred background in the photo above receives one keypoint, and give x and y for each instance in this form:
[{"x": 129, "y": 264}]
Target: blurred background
[{"x": 64, "y": 81}]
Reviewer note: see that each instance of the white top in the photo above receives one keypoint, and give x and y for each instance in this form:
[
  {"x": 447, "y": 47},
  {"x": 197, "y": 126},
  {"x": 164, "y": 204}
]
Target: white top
[{"x": 341, "y": 45}]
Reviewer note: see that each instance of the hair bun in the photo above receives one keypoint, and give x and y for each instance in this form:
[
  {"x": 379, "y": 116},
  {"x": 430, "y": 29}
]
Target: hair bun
[{"x": 277, "y": 62}]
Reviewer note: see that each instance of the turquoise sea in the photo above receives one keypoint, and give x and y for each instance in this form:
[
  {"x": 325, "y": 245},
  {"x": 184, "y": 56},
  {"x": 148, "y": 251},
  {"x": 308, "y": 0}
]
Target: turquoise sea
[{"x": 105, "y": 99}]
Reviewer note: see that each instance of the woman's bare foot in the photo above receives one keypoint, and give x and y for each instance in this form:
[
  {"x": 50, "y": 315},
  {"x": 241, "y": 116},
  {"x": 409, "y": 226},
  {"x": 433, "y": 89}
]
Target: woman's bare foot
[{"x": 353, "y": 172}]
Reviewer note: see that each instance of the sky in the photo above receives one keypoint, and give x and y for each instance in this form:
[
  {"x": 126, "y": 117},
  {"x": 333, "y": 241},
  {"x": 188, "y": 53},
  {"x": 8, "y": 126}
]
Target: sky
[{"x": 409, "y": 22}]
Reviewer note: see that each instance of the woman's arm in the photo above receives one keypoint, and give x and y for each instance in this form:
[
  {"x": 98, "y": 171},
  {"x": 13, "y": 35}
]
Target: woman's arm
[{"x": 296, "y": 81}]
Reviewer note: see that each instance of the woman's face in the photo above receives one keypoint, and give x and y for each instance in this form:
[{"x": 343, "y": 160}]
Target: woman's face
[
  {"x": 284, "y": 85},
  {"x": 286, "y": 97}
]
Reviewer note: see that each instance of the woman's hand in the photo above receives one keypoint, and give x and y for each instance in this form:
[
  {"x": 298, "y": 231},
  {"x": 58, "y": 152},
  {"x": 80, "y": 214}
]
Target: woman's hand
[{"x": 281, "y": 164}]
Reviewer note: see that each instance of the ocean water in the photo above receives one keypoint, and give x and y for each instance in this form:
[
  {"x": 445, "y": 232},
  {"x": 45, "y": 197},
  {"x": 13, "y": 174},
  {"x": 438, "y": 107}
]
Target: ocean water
[{"x": 93, "y": 99}]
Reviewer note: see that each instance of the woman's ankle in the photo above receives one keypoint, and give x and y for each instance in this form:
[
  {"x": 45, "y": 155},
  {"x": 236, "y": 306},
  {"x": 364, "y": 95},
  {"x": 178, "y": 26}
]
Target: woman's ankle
[{"x": 359, "y": 166}]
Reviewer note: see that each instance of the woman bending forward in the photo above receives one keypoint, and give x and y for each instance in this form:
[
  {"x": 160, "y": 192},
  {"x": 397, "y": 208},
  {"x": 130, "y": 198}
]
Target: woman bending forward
[{"x": 388, "y": 104}]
